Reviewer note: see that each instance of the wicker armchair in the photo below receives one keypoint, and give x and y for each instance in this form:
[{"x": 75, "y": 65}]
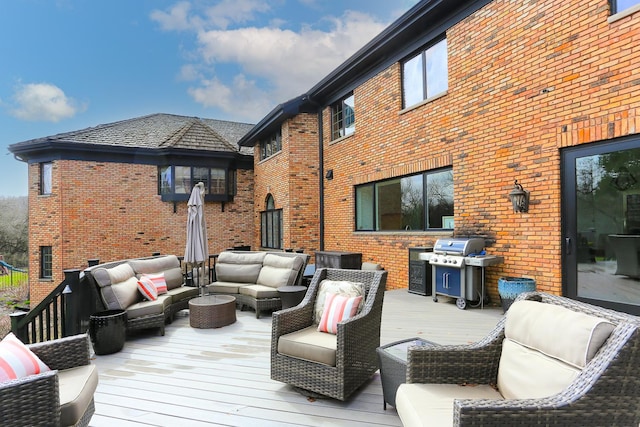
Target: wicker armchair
[
  {"x": 36, "y": 400},
  {"x": 357, "y": 339},
  {"x": 606, "y": 393}
]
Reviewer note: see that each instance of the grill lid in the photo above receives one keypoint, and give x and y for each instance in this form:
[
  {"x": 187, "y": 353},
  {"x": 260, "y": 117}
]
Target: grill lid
[{"x": 459, "y": 246}]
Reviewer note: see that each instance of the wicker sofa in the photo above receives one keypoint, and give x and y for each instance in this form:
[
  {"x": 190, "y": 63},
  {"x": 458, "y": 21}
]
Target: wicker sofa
[
  {"x": 116, "y": 286},
  {"x": 550, "y": 361},
  {"x": 254, "y": 277},
  {"x": 62, "y": 396}
]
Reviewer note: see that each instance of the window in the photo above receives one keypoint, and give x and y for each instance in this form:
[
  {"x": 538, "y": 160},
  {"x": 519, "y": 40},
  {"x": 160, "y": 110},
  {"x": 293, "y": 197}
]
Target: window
[
  {"x": 416, "y": 202},
  {"x": 46, "y": 262},
  {"x": 176, "y": 182},
  {"x": 271, "y": 146},
  {"x": 343, "y": 118},
  {"x": 271, "y": 225},
  {"x": 622, "y": 5},
  {"x": 425, "y": 75},
  {"x": 46, "y": 171}
]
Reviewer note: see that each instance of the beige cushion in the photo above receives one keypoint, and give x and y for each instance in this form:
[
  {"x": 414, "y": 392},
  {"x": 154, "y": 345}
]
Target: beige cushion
[
  {"x": 77, "y": 387},
  {"x": 528, "y": 374},
  {"x": 148, "y": 308},
  {"x": 154, "y": 265},
  {"x": 340, "y": 287},
  {"x": 370, "y": 266},
  {"x": 545, "y": 348},
  {"x": 309, "y": 344},
  {"x": 432, "y": 404},
  {"x": 557, "y": 331},
  {"x": 279, "y": 271},
  {"x": 121, "y": 295},
  {"x": 259, "y": 291},
  {"x": 229, "y": 268},
  {"x": 182, "y": 293},
  {"x": 108, "y": 276},
  {"x": 225, "y": 287}
]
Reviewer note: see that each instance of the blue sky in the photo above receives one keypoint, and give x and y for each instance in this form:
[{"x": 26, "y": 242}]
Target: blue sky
[{"x": 71, "y": 64}]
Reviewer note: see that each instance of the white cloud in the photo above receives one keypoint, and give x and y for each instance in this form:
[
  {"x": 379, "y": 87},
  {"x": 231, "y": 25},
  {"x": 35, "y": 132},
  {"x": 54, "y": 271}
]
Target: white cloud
[
  {"x": 291, "y": 62},
  {"x": 270, "y": 64},
  {"x": 43, "y": 102}
]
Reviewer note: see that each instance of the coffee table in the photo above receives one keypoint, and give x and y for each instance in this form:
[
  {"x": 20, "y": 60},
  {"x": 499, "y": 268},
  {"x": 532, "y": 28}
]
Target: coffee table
[
  {"x": 393, "y": 366},
  {"x": 212, "y": 311}
]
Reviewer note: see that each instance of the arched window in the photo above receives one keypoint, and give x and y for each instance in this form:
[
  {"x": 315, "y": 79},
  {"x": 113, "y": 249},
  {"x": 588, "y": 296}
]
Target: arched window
[{"x": 271, "y": 225}]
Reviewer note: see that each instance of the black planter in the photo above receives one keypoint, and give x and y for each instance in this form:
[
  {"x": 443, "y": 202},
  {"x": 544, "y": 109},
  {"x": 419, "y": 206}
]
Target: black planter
[{"x": 108, "y": 331}]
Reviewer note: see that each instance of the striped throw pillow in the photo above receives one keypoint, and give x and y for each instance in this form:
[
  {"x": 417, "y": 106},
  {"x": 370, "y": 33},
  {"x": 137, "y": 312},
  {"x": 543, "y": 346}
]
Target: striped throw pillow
[
  {"x": 336, "y": 309},
  {"x": 147, "y": 288},
  {"x": 17, "y": 361},
  {"x": 159, "y": 281}
]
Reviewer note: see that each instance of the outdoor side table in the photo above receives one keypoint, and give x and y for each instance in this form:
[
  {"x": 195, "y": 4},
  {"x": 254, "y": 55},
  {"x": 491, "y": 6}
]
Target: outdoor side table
[
  {"x": 291, "y": 295},
  {"x": 212, "y": 311},
  {"x": 108, "y": 331},
  {"x": 393, "y": 366}
]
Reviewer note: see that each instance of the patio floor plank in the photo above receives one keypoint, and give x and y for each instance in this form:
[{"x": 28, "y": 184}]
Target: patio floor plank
[{"x": 220, "y": 377}]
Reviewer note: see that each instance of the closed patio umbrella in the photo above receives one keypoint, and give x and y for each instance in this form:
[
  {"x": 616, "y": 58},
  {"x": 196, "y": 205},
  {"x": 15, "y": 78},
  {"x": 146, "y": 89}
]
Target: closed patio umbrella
[{"x": 196, "y": 251}]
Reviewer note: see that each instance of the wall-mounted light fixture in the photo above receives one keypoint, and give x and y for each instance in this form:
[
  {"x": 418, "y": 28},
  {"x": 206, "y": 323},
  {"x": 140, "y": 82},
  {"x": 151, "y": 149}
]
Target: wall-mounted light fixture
[
  {"x": 329, "y": 174},
  {"x": 519, "y": 198}
]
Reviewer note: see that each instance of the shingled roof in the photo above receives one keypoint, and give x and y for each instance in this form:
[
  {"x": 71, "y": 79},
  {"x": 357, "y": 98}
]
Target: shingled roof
[{"x": 155, "y": 131}]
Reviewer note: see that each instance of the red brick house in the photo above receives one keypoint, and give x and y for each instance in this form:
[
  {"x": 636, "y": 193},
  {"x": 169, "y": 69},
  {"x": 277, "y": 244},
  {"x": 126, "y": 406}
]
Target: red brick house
[
  {"x": 120, "y": 190},
  {"x": 418, "y": 136},
  {"x": 421, "y": 134}
]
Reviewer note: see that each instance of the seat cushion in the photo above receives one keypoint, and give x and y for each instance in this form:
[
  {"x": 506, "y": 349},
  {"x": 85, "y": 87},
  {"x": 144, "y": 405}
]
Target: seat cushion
[
  {"x": 148, "y": 308},
  {"x": 77, "y": 387},
  {"x": 182, "y": 293},
  {"x": 259, "y": 291},
  {"x": 229, "y": 288},
  {"x": 309, "y": 344},
  {"x": 432, "y": 404}
]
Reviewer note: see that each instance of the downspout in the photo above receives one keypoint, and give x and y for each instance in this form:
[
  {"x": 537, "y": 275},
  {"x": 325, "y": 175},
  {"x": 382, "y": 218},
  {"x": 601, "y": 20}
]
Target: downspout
[{"x": 321, "y": 175}]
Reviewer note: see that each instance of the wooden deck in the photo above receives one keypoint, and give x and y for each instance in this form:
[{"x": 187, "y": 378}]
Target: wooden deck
[{"x": 220, "y": 377}]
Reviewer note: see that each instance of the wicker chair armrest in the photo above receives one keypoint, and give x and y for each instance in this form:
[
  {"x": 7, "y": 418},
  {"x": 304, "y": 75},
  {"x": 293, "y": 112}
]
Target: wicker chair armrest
[
  {"x": 64, "y": 353},
  {"x": 475, "y": 363},
  {"x": 32, "y": 400},
  {"x": 291, "y": 319}
]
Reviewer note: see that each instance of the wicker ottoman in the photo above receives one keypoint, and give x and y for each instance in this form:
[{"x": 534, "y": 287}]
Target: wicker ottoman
[{"x": 212, "y": 311}]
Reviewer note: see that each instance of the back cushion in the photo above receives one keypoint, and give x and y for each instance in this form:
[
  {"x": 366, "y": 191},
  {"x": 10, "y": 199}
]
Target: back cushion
[
  {"x": 546, "y": 346},
  {"x": 118, "y": 286},
  {"x": 339, "y": 287},
  {"x": 154, "y": 265},
  {"x": 239, "y": 268},
  {"x": 279, "y": 271}
]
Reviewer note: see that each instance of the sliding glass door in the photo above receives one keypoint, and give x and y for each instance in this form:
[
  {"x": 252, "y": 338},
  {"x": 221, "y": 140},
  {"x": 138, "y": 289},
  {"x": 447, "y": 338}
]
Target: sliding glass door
[{"x": 601, "y": 223}]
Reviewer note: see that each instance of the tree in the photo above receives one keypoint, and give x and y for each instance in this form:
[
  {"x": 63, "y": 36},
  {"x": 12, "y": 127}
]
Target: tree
[{"x": 14, "y": 231}]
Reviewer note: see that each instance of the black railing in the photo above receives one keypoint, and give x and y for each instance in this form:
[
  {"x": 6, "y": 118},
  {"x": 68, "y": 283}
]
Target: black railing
[
  {"x": 57, "y": 315},
  {"x": 67, "y": 309}
]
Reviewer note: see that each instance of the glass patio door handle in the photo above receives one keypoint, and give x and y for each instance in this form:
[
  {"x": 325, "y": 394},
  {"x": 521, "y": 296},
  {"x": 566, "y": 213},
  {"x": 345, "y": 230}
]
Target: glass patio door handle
[{"x": 567, "y": 245}]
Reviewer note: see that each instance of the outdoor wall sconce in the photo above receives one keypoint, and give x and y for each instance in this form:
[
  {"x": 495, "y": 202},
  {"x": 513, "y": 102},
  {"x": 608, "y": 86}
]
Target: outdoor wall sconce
[
  {"x": 329, "y": 175},
  {"x": 519, "y": 198}
]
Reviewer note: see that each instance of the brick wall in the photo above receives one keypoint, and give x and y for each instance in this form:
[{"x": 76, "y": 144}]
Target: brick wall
[
  {"x": 525, "y": 80},
  {"x": 291, "y": 177},
  {"x": 110, "y": 211}
]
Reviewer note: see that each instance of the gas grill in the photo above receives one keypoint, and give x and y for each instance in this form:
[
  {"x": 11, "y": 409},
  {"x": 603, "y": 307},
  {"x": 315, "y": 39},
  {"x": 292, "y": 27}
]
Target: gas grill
[{"x": 458, "y": 269}]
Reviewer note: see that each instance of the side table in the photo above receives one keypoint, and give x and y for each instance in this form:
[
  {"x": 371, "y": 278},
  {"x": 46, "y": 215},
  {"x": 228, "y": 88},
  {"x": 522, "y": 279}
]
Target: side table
[
  {"x": 291, "y": 295},
  {"x": 108, "y": 331},
  {"x": 212, "y": 311},
  {"x": 393, "y": 366}
]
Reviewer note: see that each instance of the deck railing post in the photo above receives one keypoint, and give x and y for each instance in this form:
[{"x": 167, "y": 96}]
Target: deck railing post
[
  {"x": 73, "y": 301},
  {"x": 21, "y": 332}
]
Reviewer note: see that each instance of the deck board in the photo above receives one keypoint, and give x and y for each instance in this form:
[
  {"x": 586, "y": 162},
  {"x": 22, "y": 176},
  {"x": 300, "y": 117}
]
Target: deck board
[{"x": 220, "y": 377}]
